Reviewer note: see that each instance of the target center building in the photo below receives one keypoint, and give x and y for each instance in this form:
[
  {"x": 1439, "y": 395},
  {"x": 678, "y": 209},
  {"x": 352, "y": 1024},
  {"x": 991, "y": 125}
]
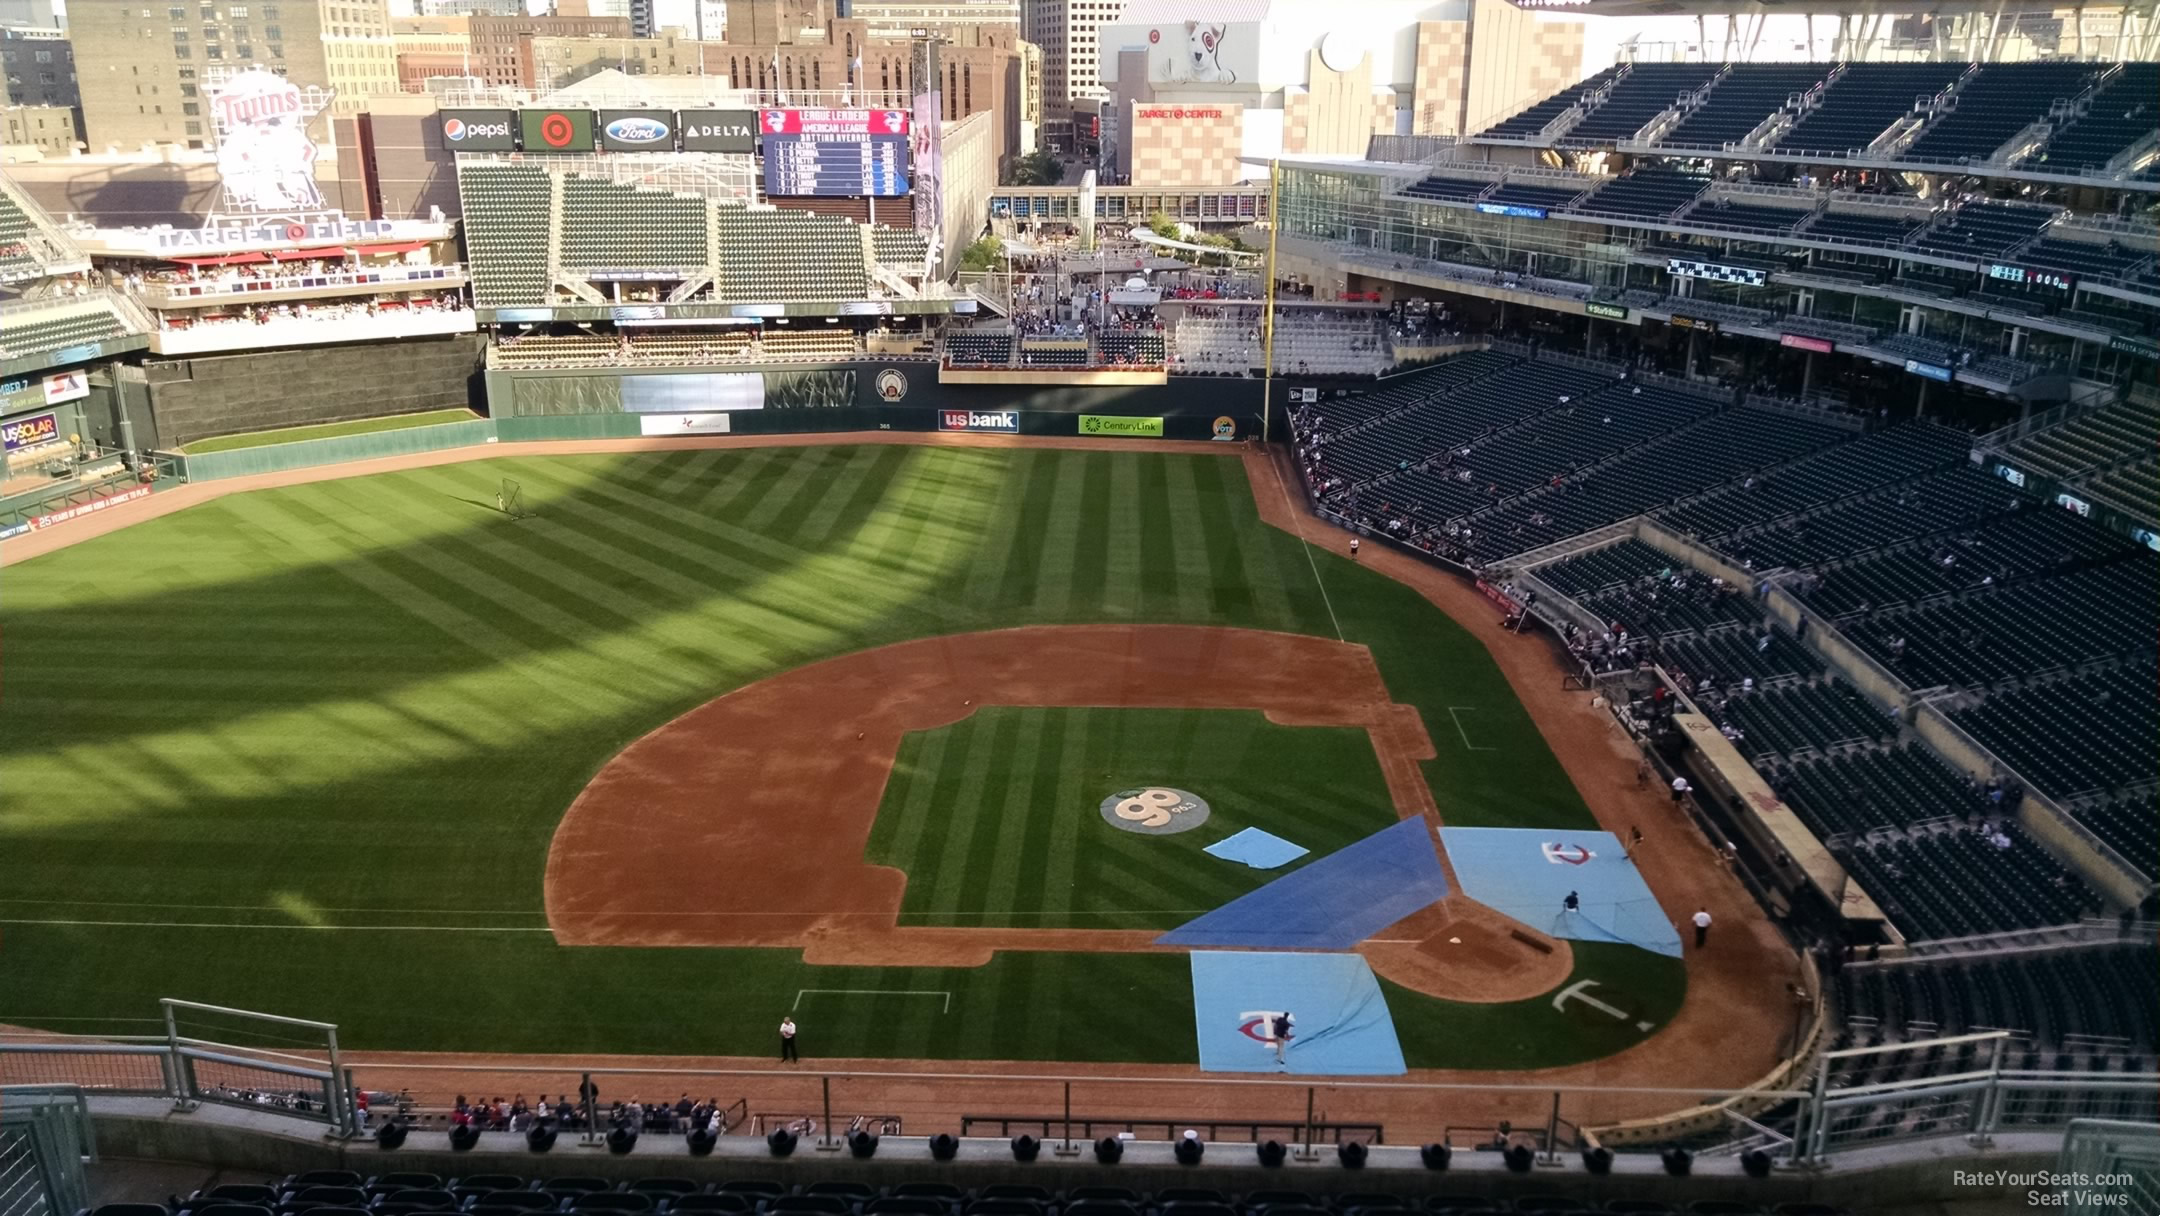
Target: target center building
[
  {"x": 147, "y": 71},
  {"x": 1195, "y": 89}
]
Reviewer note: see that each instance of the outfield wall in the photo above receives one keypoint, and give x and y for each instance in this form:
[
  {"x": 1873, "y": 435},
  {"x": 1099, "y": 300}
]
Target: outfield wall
[
  {"x": 336, "y": 449},
  {"x": 203, "y": 398},
  {"x": 864, "y": 395}
]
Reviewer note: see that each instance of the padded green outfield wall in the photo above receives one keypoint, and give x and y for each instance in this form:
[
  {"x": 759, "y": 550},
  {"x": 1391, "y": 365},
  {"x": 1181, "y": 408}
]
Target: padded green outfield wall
[
  {"x": 867, "y": 395},
  {"x": 338, "y": 449}
]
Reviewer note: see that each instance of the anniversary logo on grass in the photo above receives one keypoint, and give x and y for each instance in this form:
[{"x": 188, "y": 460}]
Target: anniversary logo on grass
[{"x": 1155, "y": 810}]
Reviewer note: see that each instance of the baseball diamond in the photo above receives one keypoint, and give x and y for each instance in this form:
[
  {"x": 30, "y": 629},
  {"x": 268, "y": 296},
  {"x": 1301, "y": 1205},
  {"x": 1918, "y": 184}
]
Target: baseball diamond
[{"x": 705, "y": 724}]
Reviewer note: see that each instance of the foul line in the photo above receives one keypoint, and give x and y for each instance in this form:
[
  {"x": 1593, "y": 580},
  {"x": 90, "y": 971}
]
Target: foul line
[
  {"x": 1466, "y": 734},
  {"x": 185, "y": 924},
  {"x": 1275, "y": 467},
  {"x": 800, "y": 993}
]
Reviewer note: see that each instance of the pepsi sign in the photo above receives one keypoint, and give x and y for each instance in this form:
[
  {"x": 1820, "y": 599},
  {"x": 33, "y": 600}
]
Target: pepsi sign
[
  {"x": 477, "y": 131},
  {"x": 637, "y": 130}
]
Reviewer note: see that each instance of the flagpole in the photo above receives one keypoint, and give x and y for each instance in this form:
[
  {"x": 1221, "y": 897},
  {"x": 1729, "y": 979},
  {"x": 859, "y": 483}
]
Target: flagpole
[{"x": 1267, "y": 375}]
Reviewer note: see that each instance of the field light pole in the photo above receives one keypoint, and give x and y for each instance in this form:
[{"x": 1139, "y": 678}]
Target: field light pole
[{"x": 1267, "y": 299}]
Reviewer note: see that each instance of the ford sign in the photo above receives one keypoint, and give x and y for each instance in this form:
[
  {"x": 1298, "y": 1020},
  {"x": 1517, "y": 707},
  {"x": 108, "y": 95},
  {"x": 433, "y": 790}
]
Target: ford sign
[{"x": 637, "y": 131}]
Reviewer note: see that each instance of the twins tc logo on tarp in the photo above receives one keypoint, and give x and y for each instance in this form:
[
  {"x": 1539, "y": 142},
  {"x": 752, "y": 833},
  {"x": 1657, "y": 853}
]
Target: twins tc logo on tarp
[
  {"x": 1259, "y": 1025},
  {"x": 1565, "y": 854}
]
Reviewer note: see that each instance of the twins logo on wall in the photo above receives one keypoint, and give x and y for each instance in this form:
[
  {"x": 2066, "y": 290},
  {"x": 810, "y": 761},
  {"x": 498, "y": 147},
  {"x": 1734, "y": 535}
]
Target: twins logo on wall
[
  {"x": 891, "y": 384},
  {"x": 266, "y": 162}
]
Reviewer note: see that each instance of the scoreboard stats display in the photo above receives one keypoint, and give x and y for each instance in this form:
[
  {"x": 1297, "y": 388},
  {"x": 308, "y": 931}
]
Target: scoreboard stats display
[
  {"x": 835, "y": 153},
  {"x": 555, "y": 130}
]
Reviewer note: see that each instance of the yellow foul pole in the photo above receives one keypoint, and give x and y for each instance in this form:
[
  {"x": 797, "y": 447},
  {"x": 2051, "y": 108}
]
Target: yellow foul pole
[{"x": 1267, "y": 375}]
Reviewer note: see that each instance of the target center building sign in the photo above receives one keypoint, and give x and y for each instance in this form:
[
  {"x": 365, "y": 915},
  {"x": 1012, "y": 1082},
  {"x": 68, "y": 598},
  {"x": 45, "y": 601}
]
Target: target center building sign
[{"x": 555, "y": 130}]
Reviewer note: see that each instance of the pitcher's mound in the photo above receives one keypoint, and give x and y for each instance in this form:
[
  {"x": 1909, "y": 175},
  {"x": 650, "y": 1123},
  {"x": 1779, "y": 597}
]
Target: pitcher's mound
[{"x": 1461, "y": 950}]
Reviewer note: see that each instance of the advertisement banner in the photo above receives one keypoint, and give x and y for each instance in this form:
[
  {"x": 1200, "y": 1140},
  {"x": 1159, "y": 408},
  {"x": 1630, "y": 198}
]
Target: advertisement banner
[
  {"x": 479, "y": 130},
  {"x": 1683, "y": 321},
  {"x": 1801, "y": 342},
  {"x": 1928, "y": 370},
  {"x": 24, "y": 393},
  {"x": 682, "y": 424},
  {"x": 637, "y": 130},
  {"x": 1004, "y": 422},
  {"x": 693, "y": 392},
  {"x": 1191, "y": 52},
  {"x": 111, "y": 500},
  {"x": 718, "y": 130},
  {"x": 29, "y": 432},
  {"x": 1119, "y": 424},
  {"x": 1513, "y": 210},
  {"x": 555, "y": 130},
  {"x": 66, "y": 386},
  {"x": 1691, "y": 269},
  {"x": 926, "y": 153},
  {"x": 1611, "y": 312},
  {"x": 2143, "y": 348}
]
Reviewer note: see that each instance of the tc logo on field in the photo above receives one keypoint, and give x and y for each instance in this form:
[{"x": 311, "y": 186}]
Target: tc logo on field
[
  {"x": 1155, "y": 810},
  {"x": 1566, "y": 854}
]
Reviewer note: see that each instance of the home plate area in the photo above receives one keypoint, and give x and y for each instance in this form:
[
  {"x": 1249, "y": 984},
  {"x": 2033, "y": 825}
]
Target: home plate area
[{"x": 1280, "y": 958}]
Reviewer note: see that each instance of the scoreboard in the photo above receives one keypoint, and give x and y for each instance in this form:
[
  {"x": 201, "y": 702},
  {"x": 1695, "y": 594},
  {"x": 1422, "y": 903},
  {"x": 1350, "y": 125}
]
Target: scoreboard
[{"x": 835, "y": 152}]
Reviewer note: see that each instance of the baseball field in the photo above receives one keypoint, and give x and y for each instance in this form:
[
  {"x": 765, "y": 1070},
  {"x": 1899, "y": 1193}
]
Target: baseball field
[{"x": 355, "y": 750}]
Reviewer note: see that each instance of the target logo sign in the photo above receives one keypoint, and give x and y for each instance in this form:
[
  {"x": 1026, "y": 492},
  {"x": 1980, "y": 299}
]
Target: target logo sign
[{"x": 556, "y": 130}]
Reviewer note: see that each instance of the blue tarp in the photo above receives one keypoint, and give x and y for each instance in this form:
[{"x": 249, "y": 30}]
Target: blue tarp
[
  {"x": 1526, "y": 873},
  {"x": 1340, "y": 1022},
  {"x": 1332, "y": 903},
  {"x": 1258, "y": 849}
]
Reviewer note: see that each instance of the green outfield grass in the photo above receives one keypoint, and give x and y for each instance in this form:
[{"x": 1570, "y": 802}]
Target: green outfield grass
[
  {"x": 996, "y": 819},
  {"x": 326, "y": 430},
  {"x": 303, "y": 749}
]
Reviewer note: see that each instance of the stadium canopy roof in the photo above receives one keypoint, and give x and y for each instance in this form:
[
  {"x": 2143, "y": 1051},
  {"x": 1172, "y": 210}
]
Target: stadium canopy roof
[
  {"x": 1831, "y": 8},
  {"x": 612, "y": 89}
]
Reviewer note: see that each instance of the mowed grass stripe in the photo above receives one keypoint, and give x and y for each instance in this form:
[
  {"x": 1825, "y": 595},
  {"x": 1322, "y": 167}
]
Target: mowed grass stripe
[
  {"x": 782, "y": 506},
  {"x": 1037, "y": 484},
  {"x": 1231, "y": 596},
  {"x": 1189, "y": 572},
  {"x": 1027, "y": 814},
  {"x": 555, "y": 611},
  {"x": 1124, "y": 582},
  {"x": 1093, "y": 592},
  {"x": 1056, "y": 544}
]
